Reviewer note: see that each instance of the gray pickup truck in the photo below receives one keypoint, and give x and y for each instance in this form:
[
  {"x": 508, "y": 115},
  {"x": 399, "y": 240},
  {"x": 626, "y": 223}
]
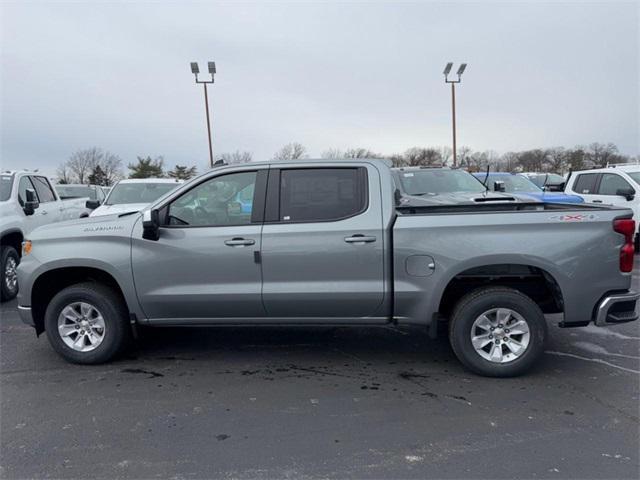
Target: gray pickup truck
[{"x": 325, "y": 243}]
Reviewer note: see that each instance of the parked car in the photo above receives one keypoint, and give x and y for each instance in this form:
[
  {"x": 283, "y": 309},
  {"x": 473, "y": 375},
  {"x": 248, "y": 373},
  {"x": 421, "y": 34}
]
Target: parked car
[
  {"x": 550, "y": 182},
  {"x": 324, "y": 243},
  {"x": 442, "y": 186},
  {"x": 95, "y": 193},
  {"x": 617, "y": 185},
  {"x": 520, "y": 186},
  {"x": 27, "y": 200},
  {"x": 134, "y": 194}
]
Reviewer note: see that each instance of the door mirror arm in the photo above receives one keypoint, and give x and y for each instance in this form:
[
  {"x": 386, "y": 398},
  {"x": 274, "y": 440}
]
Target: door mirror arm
[{"x": 151, "y": 225}]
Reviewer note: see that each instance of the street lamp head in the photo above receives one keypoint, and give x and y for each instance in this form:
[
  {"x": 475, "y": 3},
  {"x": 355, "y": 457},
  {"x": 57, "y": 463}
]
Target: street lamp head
[
  {"x": 194, "y": 68},
  {"x": 212, "y": 67},
  {"x": 447, "y": 69},
  {"x": 461, "y": 69}
]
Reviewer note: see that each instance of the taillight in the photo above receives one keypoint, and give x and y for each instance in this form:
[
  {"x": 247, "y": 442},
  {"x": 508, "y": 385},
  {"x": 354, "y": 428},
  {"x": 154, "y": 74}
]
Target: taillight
[{"x": 626, "y": 227}]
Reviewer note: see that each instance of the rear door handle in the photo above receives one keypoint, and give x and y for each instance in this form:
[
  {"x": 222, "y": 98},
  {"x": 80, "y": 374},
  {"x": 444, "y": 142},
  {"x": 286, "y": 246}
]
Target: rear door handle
[
  {"x": 239, "y": 242},
  {"x": 43, "y": 212},
  {"x": 359, "y": 239},
  {"x": 596, "y": 201}
]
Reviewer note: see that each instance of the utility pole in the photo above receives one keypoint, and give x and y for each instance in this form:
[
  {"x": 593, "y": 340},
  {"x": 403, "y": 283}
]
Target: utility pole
[
  {"x": 195, "y": 69},
  {"x": 459, "y": 73}
]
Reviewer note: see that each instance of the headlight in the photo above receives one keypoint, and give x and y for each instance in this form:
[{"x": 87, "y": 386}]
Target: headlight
[{"x": 26, "y": 247}]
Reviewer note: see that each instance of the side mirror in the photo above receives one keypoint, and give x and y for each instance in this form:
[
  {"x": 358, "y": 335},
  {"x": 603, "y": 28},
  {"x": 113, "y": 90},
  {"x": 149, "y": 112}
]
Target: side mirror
[
  {"x": 92, "y": 204},
  {"x": 31, "y": 202},
  {"x": 151, "y": 225},
  {"x": 498, "y": 186},
  {"x": 628, "y": 193}
]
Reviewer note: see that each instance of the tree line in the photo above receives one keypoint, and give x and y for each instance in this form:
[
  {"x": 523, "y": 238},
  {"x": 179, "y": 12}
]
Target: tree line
[{"x": 96, "y": 166}]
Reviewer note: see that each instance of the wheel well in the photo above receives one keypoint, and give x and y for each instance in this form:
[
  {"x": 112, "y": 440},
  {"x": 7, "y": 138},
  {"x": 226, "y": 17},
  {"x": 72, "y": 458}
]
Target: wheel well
[
  {"x": 534, "y": 282},
  {"x": 50, "y": 283},
  {"x": 13, "y": 239}
]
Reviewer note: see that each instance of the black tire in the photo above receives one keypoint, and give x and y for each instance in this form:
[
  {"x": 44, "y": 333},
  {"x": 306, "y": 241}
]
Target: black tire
[
  {"x": 117, "y": 331},
  {"x": 472, "y": 306},
  {"x": 9, "y": 290}
]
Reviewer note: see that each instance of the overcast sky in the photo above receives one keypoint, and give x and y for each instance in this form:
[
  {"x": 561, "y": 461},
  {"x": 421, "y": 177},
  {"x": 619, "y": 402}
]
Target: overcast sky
[{"x": 328, "y": 75}]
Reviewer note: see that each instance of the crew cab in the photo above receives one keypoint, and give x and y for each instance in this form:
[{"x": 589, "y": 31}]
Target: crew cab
[
  {"x": 615, "y": 185},
  {"x": 27, "y": 201},
  {"x": 325, "y": 243}
]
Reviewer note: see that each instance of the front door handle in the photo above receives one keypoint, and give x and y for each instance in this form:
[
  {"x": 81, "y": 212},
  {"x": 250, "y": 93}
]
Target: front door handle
[
  {"x": 43, "y": 212},
  {"x": 359, "y": 239},
  {"x": 239, "y": 242},
  {"x": 597, "y": 201}
]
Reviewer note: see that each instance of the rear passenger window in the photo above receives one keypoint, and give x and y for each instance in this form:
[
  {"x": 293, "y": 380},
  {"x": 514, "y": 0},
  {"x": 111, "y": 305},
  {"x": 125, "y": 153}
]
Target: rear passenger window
[
  {"x": 45, "y": 192},
  {"x": 611, "y": 183},
  {"x": 586, "y": 183},
  {"x": 322, "y": 194}
]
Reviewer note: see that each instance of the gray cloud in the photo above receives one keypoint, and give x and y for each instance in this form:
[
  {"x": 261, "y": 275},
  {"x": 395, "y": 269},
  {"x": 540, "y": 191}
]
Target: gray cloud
[{"x": 327, "y": 75}]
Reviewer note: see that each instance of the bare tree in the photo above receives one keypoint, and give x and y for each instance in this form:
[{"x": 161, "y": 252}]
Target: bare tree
[
  {"x": 291, "y": 151},
  {"x": 446, "y": 153},
  {"x": 237, "y": 157},
  {"x": 63, "y": 174},
  {"x": 556, "y": 160},
  {"x": 111, "y": 165},
  {"x": 600, "y": 154},
  {"x": 463, "y": 156},
  {"x": 83, "y": 163},
  {"x": 332, "y": 154}
]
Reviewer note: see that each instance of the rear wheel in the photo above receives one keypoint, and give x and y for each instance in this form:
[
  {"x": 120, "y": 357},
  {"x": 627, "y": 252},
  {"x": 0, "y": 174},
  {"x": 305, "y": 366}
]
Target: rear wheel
[
  {"x": 9, "y": 264},
  {"x": 497, "y": 332},
  {"x": 87, "y": 323}
]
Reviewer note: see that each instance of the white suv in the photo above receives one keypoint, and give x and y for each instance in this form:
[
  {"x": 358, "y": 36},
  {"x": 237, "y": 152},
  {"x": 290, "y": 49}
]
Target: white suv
[{"x": 615, "y": 185}]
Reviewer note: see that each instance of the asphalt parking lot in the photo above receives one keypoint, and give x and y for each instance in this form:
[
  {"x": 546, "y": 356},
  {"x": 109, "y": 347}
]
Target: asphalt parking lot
[{"x": 318, "y": 403}]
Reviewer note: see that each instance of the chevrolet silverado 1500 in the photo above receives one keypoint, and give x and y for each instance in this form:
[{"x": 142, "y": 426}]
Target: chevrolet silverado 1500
[{"x": 325, "y": 243}]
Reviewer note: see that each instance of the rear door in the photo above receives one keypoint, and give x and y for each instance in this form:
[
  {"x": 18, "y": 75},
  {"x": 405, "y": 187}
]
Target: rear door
[
  {"x": 322, "y": 244},
  {"x": 585, "y": 185}
]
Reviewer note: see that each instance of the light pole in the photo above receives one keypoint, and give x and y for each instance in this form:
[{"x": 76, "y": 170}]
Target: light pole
[
  {"x": 212, "y": 70},
  {"x": 459, "y": 73}
]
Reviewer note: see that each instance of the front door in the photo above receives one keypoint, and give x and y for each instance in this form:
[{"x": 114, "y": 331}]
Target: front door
[
  {"x": 205, "y": 265},
  {"x": 322, "y": 244}
]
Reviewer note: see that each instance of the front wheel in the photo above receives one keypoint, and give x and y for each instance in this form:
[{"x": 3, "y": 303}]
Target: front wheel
[
  {"x": 497, "y": 332},
  {"x": 87, "y": 323},
  {"x": 9, "y": 265}
]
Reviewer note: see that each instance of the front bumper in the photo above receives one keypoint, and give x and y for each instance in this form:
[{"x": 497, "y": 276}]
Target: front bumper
[
  {"x": 617, "y": 308},
  {"x": 26, "y": 316}
]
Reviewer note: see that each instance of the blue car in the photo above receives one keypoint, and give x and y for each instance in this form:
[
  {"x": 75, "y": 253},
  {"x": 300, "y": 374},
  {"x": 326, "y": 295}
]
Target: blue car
[{"x": 520, "y": 186}]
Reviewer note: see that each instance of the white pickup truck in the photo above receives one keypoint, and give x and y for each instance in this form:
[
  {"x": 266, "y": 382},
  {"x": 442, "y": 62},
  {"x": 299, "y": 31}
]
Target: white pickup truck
[
  {"x": 27, "y": 201},
  {"x": 617, "y": 185}
]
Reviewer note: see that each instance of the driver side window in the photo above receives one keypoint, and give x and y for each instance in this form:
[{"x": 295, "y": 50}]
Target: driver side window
[{"x": 221, "y": 201}]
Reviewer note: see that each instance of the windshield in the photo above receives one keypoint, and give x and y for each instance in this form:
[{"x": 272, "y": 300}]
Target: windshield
[
  {"x": 635, "y": 176},
  {"x": 6, "y": 182},
  {"x": 424, "y": 182},
  {"x": 514, "y": 183},
  {"x": 124, "y": 193},
  {"x": 77, "y": 191}
]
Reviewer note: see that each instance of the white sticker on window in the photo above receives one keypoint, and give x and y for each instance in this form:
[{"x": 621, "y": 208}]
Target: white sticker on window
[
  {"x": 408, "y": 174},
  {"x": 287, "y": 217}
]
